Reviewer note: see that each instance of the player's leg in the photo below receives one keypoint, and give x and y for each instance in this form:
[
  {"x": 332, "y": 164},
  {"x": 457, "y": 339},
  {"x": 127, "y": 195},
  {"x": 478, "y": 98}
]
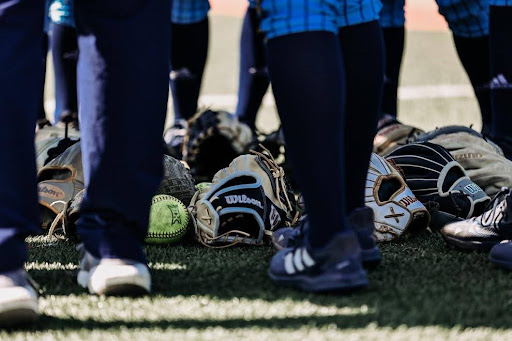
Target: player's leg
[
  {"x": 392, "y": 20},
  {"x": 253, "y": 75},
  {"x": 362, "y": 44},
  {"x": 306, "y": 70},
  {"x": 501, "y": 71},
  {"x": 469, "y": 22},
  {"x": 21, "y": 62},
  {"x": 65, "y": 55},
  {"x": 189, "y": 47},
  {"x": 122, "y": 78},
  {"x": 41, "y": 116}
]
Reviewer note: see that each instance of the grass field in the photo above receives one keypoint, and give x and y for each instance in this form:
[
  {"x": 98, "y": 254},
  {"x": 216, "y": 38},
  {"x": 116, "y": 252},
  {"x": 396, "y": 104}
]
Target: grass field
[{"x": 422, "y": 290}]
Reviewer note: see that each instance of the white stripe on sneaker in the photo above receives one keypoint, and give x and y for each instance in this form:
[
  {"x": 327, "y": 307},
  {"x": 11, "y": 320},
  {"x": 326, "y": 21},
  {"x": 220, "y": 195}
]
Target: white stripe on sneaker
[
  {"x": 288, "y": 264},
  {"x": 306, "y": 258},
  {"x": 297, "y": 261}
]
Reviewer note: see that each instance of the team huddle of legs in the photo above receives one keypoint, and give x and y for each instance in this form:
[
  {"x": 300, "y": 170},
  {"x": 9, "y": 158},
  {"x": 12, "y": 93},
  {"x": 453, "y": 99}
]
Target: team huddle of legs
[{"x": 334, "y": 68}]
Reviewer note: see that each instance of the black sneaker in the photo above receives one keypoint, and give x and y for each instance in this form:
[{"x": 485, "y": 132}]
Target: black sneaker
[{"x": 486, "y": 230}]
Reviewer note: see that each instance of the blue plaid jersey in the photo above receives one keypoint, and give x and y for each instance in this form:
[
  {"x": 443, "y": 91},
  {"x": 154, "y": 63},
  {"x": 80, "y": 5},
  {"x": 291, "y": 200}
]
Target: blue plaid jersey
[
  {"x": 393, "y": 13},
  {"x": 61, "y": 12},
  {"x": 501, "y": 2},
  {"x": 282, "y": 17},
  {"x": 189, "y": 11},
  {"x": 466, "y": 18}
]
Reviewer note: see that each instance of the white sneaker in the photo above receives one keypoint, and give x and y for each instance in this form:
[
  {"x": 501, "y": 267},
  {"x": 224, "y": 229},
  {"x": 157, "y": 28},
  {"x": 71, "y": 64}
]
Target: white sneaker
[
  {"x": 18, "y": 301},
  {"x": 112, "y": 277}
]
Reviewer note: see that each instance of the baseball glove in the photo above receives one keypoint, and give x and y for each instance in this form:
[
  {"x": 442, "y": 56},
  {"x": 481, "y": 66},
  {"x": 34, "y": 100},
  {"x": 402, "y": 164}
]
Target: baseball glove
[
  {"x": 246, "y": 201},
  {"x": 274, "y": 142},
  {"x": 481, "y": 158},
  {"x": 392, "y": 134},
  {"x": 395, "y": 208},
  {"x": 177, "y": 181},
  {"x": 434, "y": 176},
  {"x": 50, "y": 148},
  {"x": 61, "y": 130},
  {"x": 213, "y": 139},
  {"x": 58, "y": 182}
]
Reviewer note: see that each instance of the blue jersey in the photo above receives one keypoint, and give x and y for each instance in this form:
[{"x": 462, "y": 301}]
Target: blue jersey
[
  {"x": 61, "y": 12},
  {"x": 501, "y": 2},
  {"x": 282, "y": 17},
  {"x": 466, "y": 18},
  {"x": 189, "y": 11}
]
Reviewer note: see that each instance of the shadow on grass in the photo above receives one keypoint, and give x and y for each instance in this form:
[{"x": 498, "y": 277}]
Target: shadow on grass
[{"x": 420, "y": 283}]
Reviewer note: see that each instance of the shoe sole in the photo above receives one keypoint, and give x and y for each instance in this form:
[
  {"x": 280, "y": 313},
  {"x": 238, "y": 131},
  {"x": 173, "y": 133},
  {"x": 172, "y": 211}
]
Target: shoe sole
[
  {"x": 371, "y": 258},
  {"x": 127, "y": 290},
  {"x": 323, "y": 283},
  {"x": 469, "y": 244},
  {"x": 116, "y": 286}
]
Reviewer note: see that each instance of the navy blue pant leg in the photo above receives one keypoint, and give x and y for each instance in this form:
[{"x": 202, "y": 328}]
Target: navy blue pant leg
[
  {"x": 253, "y": 80},
  {"x": 123, "y": 89},
  {"x": 21, "y": 65}
]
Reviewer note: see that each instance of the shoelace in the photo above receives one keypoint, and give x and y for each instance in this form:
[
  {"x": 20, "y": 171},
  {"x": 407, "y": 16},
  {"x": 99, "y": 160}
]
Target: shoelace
[
  {"x": 492, "y": 216},
  {"x": 34, "y": 285},
  {"x": 280, "y": 183}
]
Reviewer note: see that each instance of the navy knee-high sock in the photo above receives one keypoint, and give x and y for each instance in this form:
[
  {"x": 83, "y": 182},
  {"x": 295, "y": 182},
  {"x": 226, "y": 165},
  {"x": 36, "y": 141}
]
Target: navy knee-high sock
[
  {"x": 394, "y": 40},
  {"x": 253, "y": 76},
  {"x": 64, "y": 45},
  {"x": 306, "y": 70},
  {"x": 189, "y": 47},
  {"x": 363, "y": 52},
  {"x": 474, "y": 56},
  {"x": 501, "y": 71}
]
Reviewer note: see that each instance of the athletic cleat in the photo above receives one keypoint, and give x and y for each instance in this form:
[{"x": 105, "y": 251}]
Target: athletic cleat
[
  {"x": 287, "y": 237},
  {"x": 361, "y": 220},
  {"x": 112, "y": 277},
  {"x": 18, "y": 301},
  {"x": 335, "y": 267},
  {"x": 501, "y": 254},
  {"x": 486, "y": 230}
]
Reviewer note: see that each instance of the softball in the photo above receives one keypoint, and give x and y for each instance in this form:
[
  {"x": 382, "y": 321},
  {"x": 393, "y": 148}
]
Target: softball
[{"x": 168, "y": 220}]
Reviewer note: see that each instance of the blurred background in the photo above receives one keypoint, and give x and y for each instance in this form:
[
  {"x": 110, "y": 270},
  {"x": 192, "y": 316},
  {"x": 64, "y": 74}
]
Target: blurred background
[{"x": 434, "y": 88}]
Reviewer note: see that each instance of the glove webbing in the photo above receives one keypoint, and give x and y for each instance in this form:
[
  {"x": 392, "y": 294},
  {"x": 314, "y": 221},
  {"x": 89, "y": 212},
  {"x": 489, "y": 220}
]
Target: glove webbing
[{"x": 278, "y": 174}]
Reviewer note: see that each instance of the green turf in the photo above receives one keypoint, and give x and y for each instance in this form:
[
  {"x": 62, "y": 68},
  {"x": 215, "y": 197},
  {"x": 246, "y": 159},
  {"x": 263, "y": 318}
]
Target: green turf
[{"x": 422, "y": 289}]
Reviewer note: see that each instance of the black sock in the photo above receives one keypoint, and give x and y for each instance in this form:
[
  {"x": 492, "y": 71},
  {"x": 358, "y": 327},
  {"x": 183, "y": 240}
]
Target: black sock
[
  {"x": 501, "y": 71},
  {"x": 189, "y": 47},
  {"x": 306, "y": 70},
  {"x": 253, "y": 76},
  {"x": 42, "y": 113},
  {"x": 394, "y": 40},
  {"x": 363, "y": 52},
  {"x": 64, "y": 45},
  {"x": 474, "y": 56}
]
